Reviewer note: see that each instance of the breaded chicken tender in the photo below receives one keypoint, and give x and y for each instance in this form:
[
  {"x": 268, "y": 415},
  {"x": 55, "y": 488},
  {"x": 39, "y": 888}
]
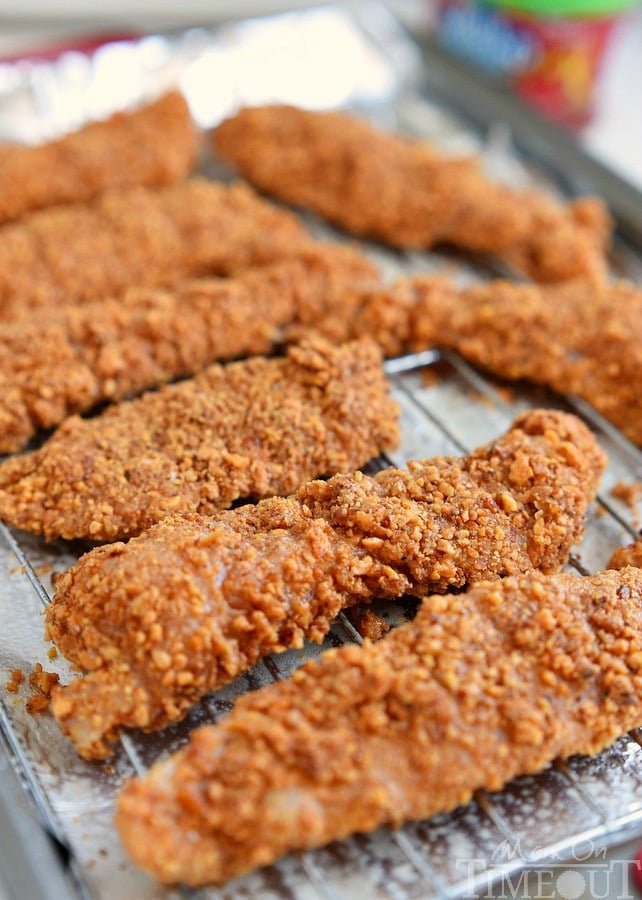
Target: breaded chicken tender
[
  {"x": 407, "y": 194},
  {"x": 576, "y": 338},
  {"x": 138, "y": 236},
  {"x": 153, "y": 145},
  {"x": 78, "y": 356},
  {"x": 250, "y": 429},
  {"x": 195, "y": 601},
  {"x": 478, "y": 689}
]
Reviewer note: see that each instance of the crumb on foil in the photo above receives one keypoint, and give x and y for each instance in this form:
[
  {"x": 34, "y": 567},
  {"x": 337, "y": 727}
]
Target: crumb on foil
[
  {"x": 41, "y": 684},
  {"x": 17, "y": 677}
]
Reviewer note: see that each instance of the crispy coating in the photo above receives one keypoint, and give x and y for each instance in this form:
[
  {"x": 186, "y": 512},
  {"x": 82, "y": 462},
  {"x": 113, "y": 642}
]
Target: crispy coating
[
  {"x": 360, "y": 308},
  {"x": 407, "y": 194},
  {"x": 78, "y": 356},
  {"x": 472, "y": 693},
  {"x": 151, "y": 146},
  {"x": 195, "y": 601},
  {"x": 576, "y": 338},
  {"x": 41, "y": 684},
  {"x": 138, "y": 236},
  {"x": 631, "y": 555},
  {"x": 368, "y": 623},
  {"x": 250, "y": 429}
]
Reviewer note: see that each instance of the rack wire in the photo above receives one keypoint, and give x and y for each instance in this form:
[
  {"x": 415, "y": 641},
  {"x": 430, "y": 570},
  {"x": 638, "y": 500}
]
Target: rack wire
[{"x": 447, "y": 407}]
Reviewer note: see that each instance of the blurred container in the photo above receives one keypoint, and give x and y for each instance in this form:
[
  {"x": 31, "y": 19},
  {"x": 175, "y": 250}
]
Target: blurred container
[{"x": 550, "y": 52}]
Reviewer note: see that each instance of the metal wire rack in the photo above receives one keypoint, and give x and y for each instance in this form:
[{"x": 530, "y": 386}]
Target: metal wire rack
[{"x": 579, "y": 805}]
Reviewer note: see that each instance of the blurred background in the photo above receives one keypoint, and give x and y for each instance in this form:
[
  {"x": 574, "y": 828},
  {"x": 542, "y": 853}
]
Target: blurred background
[{"x": 579, "y": 62}]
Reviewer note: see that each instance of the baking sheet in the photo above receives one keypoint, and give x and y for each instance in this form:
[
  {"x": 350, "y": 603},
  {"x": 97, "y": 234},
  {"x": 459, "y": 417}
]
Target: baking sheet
[{"x": 578, "y": 804}]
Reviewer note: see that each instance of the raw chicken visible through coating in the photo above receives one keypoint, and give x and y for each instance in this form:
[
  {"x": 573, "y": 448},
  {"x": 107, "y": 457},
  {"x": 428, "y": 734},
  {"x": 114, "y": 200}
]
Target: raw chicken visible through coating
[
  {"x": 407, "y": 194},
  {"x": 138, "y": 236},
  {"x": 78, "y": 356},
  {"x": 249, "y": 429},
  {"x": 195, "y": 601},
  {"x": 153, "y": 145},
  {"x": 478, "y": 689},
  {"x": 576, "y": 338}
]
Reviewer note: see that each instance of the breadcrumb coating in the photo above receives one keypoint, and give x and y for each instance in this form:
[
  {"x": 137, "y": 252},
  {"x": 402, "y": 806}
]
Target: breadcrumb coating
[
  {"x": 194, "y": 601},
  {"x": 41, "y": 684},
  {"x": 406, "y": 194},
  {"x": 78, "y": 356},
  {"x": 153, "y": 145},
  {"x": 470, "y": 694},
  {"x": 577, "y": 338},
  {"x": 138, "y": 236},
  {"x": 367, "y": 623},
  {"x": 631, "y": 555},
  {"x": 250, "y": 429}
]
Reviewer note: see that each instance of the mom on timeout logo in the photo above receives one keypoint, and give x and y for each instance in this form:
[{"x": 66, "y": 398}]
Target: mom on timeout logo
[{"x": 586, "y": 873}]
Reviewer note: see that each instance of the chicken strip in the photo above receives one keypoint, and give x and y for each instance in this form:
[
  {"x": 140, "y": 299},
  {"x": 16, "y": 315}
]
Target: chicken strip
[
  {"x": 151, "y": 146},
  {"x": 576, "y": 338},
  {"x": 195, "y": 601},
  {"x": 138, "y": 236},
  {"x": 79, "y": 356},
  {"x": 250, "y": 429},
  {"x": 467, "y": 696},
  {"x": 407, "y": 194}
]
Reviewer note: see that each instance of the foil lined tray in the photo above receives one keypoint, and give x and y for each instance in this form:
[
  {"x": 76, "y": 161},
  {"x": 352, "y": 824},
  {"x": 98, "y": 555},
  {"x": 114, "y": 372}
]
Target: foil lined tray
[{"x": 318, "y": 58}]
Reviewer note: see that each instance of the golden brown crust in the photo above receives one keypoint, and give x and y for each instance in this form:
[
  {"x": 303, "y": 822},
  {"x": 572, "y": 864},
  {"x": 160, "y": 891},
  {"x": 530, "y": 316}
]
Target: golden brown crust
[
  {"x": 195, "y": 601},
  {"x": 513, "y": 504},
  {"x": 103, "y": 351},
  {"x": 151, "y": 146},
  {"x": 250, "y": 429},
  {"x": 494, "y": 683},
  {"x": 367, "y": 623},
  {"x": 78, "y": 356},
  {"x": 41, "y": 684},
  {"x": 576, "y": 338},
  {"x": 405, "y": 193},
  {"x": 138, "y": 236},
  {"x": 631, "y": 555},
  {"x": 354, "y": 309}
]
